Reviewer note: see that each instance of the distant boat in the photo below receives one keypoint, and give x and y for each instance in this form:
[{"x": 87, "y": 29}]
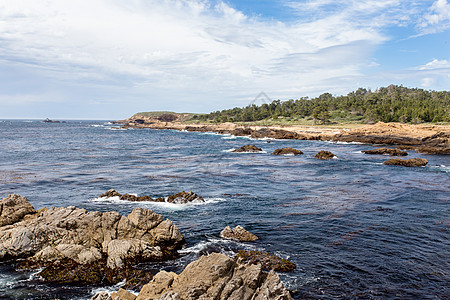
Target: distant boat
[{"x": 47, "y": 120}]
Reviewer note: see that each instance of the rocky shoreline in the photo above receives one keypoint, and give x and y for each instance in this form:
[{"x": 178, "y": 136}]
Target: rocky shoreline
[
  {"x": 427, "y": 139},
  {"x": 69, "y": 245}
]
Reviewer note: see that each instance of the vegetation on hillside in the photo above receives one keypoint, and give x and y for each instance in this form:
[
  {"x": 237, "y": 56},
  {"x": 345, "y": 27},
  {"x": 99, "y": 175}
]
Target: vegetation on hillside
[{"x": 387, "y": 104}]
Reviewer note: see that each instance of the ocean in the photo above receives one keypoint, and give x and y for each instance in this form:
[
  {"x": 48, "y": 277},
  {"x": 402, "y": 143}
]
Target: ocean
[{"x": 355, "y": 228}]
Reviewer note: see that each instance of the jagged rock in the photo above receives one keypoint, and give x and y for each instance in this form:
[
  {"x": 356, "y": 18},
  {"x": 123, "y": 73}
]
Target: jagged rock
[
  {"x": 185, "y": 197},
  {"x": 126, "y": 197},
  {"x": 248, "y": 148},
  {"x": 241, "y": 131},
  {"x": 287, "y": 151},
  {"x": 275, "y": 134},
  {"x": 412, "y": 162},
  {"x": 179, "y": 198},
  {"x": 73, "y": 239},
  {"x": 238, "y": 233},
  {"x": 388, "y": 151},
  {"x": 14, "y": 208},
  {"x": 434, "y": 150},
  {"x": 122, "y": 294},
  {"x": 324, "y": 155},
  {"x": 216, "y": 276},
  {"x": 268, "y": 261}
]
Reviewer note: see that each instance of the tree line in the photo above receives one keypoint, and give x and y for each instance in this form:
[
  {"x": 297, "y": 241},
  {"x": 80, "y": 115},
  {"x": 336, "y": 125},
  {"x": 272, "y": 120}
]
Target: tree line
[{"x": 387, "y": 104}]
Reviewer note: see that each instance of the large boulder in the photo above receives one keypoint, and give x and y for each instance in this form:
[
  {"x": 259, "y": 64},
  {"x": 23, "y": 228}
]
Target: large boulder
[
  {"x": 70, "y": 238},
  {"x": 14, "y": 208},
  {"x": 287, "y": 151},
  {"x": 412, "y": 162},
  {"x": 216, "y": 276},
  {"x": 248, "y": 149},
  {"x": 324, "y": 155},
  {"x": 386, "y": 151},
  {"x": 238, "y": 233}
]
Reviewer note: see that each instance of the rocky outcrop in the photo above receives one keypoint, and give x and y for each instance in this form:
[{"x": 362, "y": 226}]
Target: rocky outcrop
[
  {"x": 268, "y": 261},
  {"x": 412, "y": 162},
  {"x": 287, "y": 151},
  {"x": 386, "y": 151},
  {"x": 14, "y": 208},
  {"x": 185, "y": 197},
  {"x": 324, "y": 155},
  {"x": 248, "y": 149},
  {"x": 275, "y": 134},
  {"x": 238, "y": 233},
  {"x": 126, "y": 197},
  {"x": 212, "y": 277},
  {"x": 179, "y": 198},
  {"x": 67, "y": 241}
]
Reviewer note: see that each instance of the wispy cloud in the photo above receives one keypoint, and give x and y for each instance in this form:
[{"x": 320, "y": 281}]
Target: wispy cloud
[
  {"x": 192, "y": 53},
  {"x": 437, "y": 18}
]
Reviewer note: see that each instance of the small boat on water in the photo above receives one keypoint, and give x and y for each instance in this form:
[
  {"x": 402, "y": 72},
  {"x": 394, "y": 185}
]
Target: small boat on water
[{"x": 47, "y": 120}]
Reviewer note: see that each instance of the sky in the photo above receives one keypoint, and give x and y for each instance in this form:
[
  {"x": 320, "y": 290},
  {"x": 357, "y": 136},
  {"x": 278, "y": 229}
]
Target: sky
[{"x": 108, "y": 59}]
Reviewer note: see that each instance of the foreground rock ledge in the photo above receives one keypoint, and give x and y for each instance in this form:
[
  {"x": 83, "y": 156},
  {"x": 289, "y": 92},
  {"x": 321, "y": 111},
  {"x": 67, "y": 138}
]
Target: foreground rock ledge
[
  {"x": 67, "y": 241},
  {"x": 211, "y": 277}
]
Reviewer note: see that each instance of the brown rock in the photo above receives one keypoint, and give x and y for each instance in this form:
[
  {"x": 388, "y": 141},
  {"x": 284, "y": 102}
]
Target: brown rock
[
  {"x": 412, "y": 162},
  {"x": 324, "y": 155},
  {"x": 122, "y": 294},
  {"x": 238, "y": 233},
  {"x": 126, "y": 197},
  {"x": 185, "y": 197},
  {"x": 388, "y": 151},
  {"x": 13, "y": 209},
  {"x": 216, "y": 276},
  {"x": 248, "y": 148},
  {"x": 68, "y": 241},
  {"x": 287, "y": 151},
  {"x": 268, "y": 261}
]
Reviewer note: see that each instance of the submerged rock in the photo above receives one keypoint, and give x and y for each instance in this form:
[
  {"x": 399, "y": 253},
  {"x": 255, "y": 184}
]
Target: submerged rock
[
  {"x": 67, "y": 241},
  {"x": 248, "y": 148},
  {"x": 268, "y": 261},
  {"x": 287, "y": 151},
  {"x": 238, "y": 233},
  {"x": 412, "y": 162},
  {"x": 388, "y": 151},
  {"x": 215, "y": 276},
  {"x": 324, "y": 155}
]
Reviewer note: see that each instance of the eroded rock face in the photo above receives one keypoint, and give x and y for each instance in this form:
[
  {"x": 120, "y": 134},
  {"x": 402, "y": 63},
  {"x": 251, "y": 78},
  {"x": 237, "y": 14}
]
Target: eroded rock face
[
  {"x": 412, "y": 162},
  {"x": 268, "y": 261},
  {"x": 14, "y": 208},
  {"x": 386, "y": 151},
  {"x": 324, "y": 155},
  {"x": 287, "y": 151},
  {"x": 81, "y": 238},
  {"x": 216, "y": 276},
  {"x": 238, "y": 233},
  {"x": 248, "y": 148}
]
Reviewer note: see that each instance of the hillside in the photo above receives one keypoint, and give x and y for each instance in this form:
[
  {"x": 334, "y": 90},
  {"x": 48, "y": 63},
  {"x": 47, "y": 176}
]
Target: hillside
[{"x": 387, "y": 104}]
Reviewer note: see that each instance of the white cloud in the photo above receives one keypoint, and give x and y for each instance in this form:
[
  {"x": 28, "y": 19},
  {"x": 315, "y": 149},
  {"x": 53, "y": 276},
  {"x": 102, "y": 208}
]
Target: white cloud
[
  {"x": 189, "y": 50},
  {"x": 436, "y": 64},
  {"x": 437, "y": 19}
]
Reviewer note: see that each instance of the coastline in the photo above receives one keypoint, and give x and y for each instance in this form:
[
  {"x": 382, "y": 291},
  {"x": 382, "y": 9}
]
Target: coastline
[{"x": 425, "y": 138}]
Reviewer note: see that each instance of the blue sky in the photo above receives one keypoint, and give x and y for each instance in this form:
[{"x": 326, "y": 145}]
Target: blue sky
[{"x": 107, "y": 59}]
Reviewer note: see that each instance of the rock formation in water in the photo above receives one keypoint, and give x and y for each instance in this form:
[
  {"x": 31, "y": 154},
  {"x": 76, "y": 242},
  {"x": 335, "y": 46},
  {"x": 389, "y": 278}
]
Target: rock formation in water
[
  {"x": 412, "y": 162},
  {"x": 268, "y": 261},
  {"x": 388, "y": 151},
  {"x": 248, "y": 149},
  {"x": 324, "y": 155},
  {"x": 179, "y": 198},
  {"x": 77, "y": 246},
  {"x": 212, "y": 277},
  {"x": 287, "y": 151},
  {"x": 238, "y": 233}
]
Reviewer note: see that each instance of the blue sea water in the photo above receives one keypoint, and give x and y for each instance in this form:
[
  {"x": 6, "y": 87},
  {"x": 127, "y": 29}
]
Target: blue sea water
[{"x": 356, "y": 229}]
